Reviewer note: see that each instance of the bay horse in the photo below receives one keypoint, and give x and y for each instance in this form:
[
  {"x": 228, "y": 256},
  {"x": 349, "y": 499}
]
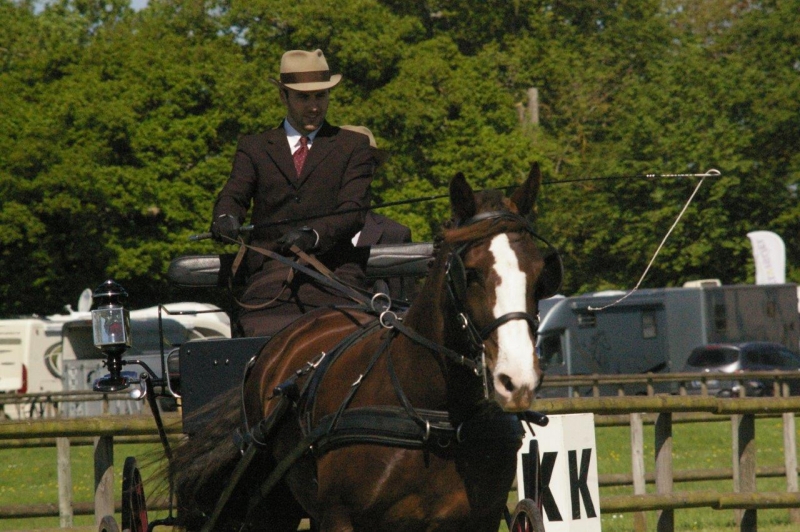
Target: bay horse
[{"x": 389, "y": 423}]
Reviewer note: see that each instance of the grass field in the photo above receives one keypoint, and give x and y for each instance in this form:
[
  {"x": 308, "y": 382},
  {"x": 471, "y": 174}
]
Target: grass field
[
  {"x": 28, "y": 476},
  {"x": 695, "y": 446}
]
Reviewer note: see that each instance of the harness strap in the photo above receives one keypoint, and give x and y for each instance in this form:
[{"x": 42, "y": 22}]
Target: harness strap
[
  {"x": 505, "y": 318},
  {"x": 401, "y": 396},
  {"x": 387, "y": 425},
  {"x": 388, "y": 319},
  {"x": 309, "y": 392},
  {"x": 474, "y": 338},
  {"x": 355, "y": 386},
  {"x": 510, "y": 216}
]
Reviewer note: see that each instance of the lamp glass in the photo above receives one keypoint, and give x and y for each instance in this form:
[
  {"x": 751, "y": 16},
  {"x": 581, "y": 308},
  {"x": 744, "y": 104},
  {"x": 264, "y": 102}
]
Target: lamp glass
[{"x": 111, "y": 327}]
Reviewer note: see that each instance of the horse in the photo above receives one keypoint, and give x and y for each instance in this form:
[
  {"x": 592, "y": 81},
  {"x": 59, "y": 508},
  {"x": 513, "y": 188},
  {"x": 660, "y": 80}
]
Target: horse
[{"x": 366, "y": 420}]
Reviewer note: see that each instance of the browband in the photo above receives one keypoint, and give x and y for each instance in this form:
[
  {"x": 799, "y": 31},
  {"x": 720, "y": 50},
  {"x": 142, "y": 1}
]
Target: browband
[
  {"x": 506, "y": 215},
  {"x": 493, "y": 215}
]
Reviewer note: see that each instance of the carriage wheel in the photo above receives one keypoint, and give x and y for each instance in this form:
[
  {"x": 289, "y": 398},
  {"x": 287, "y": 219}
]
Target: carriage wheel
[
  {"x": 108, "y": 524},
  {"x": 134, "y": 507},
  {"x": 527, "y": 518}
]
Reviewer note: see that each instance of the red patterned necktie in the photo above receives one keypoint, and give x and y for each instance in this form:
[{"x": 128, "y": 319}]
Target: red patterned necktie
[{"x": 300, "y": 155}]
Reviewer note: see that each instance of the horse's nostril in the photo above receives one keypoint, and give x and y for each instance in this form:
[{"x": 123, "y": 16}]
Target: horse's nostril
[{"x": 505, "y": 380}]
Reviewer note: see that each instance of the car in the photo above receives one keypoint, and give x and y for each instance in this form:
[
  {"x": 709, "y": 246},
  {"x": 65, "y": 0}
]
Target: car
[{"x": 741, "y": 357}]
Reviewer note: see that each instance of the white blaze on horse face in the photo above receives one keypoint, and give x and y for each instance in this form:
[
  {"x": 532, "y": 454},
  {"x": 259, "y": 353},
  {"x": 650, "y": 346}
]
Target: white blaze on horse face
[{"x": 514, "y": 374}]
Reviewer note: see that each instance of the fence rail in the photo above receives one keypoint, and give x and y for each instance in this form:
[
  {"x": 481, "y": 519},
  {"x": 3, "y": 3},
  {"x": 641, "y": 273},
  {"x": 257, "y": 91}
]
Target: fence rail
[
  {"x": 661, "y": 410},
  {"x": 598, "y": 383}
]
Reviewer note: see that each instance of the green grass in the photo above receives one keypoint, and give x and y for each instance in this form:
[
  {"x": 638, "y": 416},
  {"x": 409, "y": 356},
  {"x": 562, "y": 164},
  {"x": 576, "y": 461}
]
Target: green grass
[
  {"x": 694, "y": 446},
  {"x": 28, "y": 476}
]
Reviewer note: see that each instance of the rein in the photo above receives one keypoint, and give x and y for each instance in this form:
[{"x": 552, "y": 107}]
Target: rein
[{"x": 322, "y": 274}]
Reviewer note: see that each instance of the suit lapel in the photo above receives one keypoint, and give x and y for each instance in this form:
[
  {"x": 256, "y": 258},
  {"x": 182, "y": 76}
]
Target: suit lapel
[
  {"x": 279, "y": 151},
  {"x": 324, "y": 142}
]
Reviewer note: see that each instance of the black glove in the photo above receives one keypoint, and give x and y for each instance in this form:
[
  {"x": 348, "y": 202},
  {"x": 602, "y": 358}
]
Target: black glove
[
  {"x": 304, "y": 238},
  {"x": 225, "y": 228}
]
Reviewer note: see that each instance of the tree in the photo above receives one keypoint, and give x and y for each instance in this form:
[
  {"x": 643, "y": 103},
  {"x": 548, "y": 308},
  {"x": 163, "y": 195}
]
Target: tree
[{"x": 118, "y": 127}]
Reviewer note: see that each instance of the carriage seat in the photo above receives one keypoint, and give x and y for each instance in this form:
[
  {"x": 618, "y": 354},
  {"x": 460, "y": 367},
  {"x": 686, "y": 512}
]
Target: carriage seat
[{"x": 385, "y": 261}]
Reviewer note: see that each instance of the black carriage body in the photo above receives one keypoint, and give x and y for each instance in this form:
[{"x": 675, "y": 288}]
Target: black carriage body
[{"x": 208, "y": 369}]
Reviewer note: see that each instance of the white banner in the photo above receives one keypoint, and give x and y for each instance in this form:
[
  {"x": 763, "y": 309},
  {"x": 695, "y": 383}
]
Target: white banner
[
  {"x": 567, "y": 468},
  {"x": 769, "y": 253}
]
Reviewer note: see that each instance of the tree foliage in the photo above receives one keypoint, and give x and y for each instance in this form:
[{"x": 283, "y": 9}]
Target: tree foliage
[{"x": 117, "y": 127}]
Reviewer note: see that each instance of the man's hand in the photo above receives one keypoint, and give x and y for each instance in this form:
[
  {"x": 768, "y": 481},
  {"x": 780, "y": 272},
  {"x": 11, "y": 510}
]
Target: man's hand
[
  {"x": 225, "y": 228},
  {"x": 304, "y": 238}
]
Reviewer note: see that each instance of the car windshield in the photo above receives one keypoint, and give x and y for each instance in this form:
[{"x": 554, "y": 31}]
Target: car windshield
[{"x": 709, "y": 357}]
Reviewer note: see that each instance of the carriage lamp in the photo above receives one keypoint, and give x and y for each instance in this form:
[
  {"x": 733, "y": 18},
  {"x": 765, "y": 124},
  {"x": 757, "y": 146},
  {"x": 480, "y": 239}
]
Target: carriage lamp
[{"x": 111, "y": 332}]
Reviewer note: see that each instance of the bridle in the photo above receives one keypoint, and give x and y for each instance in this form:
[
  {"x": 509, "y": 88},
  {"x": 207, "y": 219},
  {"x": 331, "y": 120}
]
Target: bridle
[{"x": 456, "y": 282}]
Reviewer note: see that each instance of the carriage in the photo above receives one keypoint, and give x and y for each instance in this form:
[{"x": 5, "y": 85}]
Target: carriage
[{"x": 381, "y": 415}]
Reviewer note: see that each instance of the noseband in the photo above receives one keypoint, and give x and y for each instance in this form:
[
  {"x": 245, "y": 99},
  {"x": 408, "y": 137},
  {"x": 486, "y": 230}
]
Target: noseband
[{"x": 457, "y": 281}]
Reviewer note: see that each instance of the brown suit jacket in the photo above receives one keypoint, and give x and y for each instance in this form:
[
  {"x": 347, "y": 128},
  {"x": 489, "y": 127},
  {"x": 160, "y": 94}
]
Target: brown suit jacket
[{"x": 336, "y": 177}]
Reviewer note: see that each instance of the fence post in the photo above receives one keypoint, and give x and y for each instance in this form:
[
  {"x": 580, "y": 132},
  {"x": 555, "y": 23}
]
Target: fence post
[
  {"x": 744, "y": 465},
  {"x": 790, "y": 454},
  {"x": 64, "y": 483},
  {"x": 103, "y": 477},
  {"x": 637, "y": 468},
  {"x": 666, "y": 518}
]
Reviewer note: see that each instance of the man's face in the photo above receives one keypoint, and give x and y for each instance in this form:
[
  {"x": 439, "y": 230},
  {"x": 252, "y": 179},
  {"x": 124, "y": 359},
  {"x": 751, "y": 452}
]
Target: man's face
[{"x": 305, "y": 110}]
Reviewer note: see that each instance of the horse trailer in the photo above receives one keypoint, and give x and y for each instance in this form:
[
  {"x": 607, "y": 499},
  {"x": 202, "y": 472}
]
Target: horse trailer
[{"x": 655, "y": 330}]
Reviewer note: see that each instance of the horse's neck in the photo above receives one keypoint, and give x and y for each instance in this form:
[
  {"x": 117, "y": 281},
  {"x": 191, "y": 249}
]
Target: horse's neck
[
  {"x": 432, "y": 315},
  {"x": 428, "y": 310}
]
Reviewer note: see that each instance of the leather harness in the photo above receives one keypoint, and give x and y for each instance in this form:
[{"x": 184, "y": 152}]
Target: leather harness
[{"x": 400, "y": 426}]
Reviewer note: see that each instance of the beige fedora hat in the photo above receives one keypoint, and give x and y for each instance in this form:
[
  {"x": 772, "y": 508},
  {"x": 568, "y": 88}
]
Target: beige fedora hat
[
  {"x": 381, "y": 156},
  {"x": 306, "y": 72}
]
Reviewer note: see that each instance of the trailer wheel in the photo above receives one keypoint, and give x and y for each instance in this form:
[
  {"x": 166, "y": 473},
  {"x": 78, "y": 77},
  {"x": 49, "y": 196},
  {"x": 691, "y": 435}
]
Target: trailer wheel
[
  {"x": 527, "y": 517},
  {"x": 134, "y": 507},
  {"x": 108, "y": 524}
]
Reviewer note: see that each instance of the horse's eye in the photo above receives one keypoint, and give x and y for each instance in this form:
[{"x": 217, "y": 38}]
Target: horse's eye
[{"x": 473, "y": 276}]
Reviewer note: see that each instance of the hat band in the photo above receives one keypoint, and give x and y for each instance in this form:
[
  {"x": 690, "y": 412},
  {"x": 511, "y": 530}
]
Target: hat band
[{"x": 306, "y": 77}]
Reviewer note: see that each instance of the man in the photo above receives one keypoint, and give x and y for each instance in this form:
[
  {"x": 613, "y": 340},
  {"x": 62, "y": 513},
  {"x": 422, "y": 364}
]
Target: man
[
  {"x": 380, "y": 229},
  {"x": 304, "y": 167}
]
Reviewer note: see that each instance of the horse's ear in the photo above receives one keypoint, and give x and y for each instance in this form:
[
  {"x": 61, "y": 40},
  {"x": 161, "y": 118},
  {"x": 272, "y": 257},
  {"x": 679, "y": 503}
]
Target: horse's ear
[
  {"x": 462, "y": 199},
  {"x": 525, "y": 196}
]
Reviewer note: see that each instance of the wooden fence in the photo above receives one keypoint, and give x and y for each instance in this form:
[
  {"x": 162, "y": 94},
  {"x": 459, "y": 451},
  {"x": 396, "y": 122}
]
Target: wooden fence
[
  {"x": 661, "y": 410},
  {"x": 46, "y": 404},
  {"x": 102, "y": 431}
]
